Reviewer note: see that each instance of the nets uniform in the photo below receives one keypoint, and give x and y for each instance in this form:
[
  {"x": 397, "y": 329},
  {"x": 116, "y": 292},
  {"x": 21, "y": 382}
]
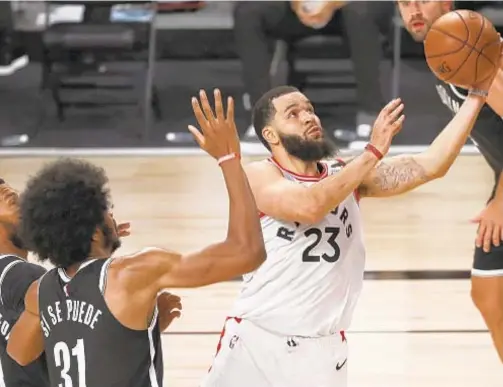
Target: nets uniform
[
  {"x": 84, "y": 343},
  {"x": 487, "y": 135},
  {"x": 287, "y": 325},
  {"x": 16, "y": 276}
]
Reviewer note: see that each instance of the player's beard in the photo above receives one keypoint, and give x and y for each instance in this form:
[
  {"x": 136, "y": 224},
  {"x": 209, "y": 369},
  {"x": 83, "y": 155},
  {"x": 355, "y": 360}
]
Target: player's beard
[
  {"x": 111, "y": 239},
  {"x": 308, "y": 150}
]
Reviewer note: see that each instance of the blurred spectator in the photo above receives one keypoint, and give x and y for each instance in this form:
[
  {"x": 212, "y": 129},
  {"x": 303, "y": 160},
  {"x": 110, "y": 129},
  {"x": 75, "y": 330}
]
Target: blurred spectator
[{"x": 257, "y": 24}]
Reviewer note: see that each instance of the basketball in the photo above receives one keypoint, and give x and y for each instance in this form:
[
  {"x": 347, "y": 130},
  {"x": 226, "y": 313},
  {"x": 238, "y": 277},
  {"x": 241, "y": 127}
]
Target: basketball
[{"x": 463, "y": 48}]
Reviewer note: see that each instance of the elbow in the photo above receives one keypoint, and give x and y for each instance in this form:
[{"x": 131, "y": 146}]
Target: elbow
[
  {"x": 251, "y": 256},
  {"x": 311, "y": 213},
  {"x": 437, "y": 172},
  {"x": 254, "y": 256}
]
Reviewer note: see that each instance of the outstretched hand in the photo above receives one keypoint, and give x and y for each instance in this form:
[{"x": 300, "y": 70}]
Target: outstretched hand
[
  {"x": 388, "y": 123},
  {"x": 124, "y": 229},
  {"x": 169, "y": 306},
  {"x": 217, "y": 135}
]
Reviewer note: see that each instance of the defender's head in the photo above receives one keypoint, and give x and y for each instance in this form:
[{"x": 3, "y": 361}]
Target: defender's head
[
  {"x": 418, "y": 16},
  {"x": 9, "y": 215},
  {"x": 284, "y": 117},
  {"x": 65, "y": 213}
]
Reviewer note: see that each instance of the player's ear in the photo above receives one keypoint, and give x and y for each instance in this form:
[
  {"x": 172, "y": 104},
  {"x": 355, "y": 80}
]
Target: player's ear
[
  {"x": 270, "y": 135},
  {"x": 98, "y": 234}
]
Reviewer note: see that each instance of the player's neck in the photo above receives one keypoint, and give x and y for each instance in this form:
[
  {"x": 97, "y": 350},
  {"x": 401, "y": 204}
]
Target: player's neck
[
  {"x": 99, "y": 252},
  {"x": 6, "y": 247},
  {"x": 296, "y": 165}
]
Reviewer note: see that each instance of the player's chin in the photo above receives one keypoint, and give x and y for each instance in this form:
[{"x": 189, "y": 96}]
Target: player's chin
[{"x": 419, "y": 34}]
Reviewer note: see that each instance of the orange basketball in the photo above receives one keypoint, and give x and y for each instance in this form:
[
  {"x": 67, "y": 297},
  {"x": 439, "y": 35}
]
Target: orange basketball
[{"x": 463, "y": 48}]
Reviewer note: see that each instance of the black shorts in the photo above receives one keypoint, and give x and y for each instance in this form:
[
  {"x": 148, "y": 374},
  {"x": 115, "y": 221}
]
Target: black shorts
[{"x": 488, "y": 264}]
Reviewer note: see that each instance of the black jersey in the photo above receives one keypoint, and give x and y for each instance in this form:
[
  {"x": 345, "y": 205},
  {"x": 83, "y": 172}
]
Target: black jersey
[
  {"x": 487, "y": 133},
  {"x": 85, "y": 345},
  {"x": 16, "y": 276}
]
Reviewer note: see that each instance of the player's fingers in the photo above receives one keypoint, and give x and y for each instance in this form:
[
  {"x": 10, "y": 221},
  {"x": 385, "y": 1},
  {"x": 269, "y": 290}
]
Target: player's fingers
[
  {"x": 219, "y": 108},
  {"x": 480, "y": 234},
  {"x": 496, "y": 236},
  {"x": 391, "y": 106},
  {"x": 200, "y": 117},
  {"x": 488, "y": 236},
  {"x": 205, "y": 104},
  {"x": 230, "y": 109},
  {"x": 395, "y": 113},
  {"x": 397, "y": 125},
  {"x": 175, "y": 314},
  {"x": 197, "y": 135}
]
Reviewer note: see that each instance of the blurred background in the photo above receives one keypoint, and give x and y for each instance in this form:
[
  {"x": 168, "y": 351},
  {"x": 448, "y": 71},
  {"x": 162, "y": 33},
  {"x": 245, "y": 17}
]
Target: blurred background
[{"x": 97, "y": 75}]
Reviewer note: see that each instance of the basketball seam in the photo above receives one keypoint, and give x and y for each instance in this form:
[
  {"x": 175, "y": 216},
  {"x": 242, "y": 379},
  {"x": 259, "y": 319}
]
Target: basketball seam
[
  {"x": 478, "y": 56},
  {"x": 476, "y": 62},
  {"x": 472, "y": 48},
  {"x": 464, "y": 43}
]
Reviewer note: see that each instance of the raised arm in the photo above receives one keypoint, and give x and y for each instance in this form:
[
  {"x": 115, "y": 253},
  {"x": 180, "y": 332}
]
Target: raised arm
[
  {"x": 243, "y": 249},
  {"x": 399, "y": 174},
  {"x": 282, "y": 199}
]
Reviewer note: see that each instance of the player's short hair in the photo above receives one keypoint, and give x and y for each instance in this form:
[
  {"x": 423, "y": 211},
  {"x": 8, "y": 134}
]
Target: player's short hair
[
  {"x": 264, "y": 110},
  {"x": 60, "y": 209}
]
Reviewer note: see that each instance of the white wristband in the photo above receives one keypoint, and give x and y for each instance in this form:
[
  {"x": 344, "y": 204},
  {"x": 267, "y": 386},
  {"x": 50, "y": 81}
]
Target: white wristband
[
  {"x": 228, "y": 157},
  {"x": 480, "y": 93}
]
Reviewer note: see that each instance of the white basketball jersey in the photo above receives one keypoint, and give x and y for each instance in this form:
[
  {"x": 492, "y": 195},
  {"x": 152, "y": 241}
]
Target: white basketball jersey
[{"x": 313, "y": 274}]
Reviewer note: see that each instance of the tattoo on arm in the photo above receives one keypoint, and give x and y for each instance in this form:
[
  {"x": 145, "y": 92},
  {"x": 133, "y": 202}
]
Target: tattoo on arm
[{"x": 395, "y": 177}]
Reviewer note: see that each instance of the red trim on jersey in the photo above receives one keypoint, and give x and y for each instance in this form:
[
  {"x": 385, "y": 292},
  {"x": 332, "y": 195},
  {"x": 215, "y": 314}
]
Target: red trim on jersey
[
  {"x": 341, "y": 161},
  {"x": 357, "y": 196},
  {"x": 343, "y": 335},
  {"x": 322, "y": 175},
  {"x": 222, "y": 334},
  {"x": 261, "y": 214}
]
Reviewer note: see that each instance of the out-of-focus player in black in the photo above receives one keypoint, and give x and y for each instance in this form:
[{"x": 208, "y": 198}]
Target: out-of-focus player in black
[
  {"x": 96, "y": 317},
  {"x": 16, "y": 276},
  {"x": 487, "y": 134}
]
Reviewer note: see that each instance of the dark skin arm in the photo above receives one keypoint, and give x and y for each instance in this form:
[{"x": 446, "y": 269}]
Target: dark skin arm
[{"x": 26, "y": 340}]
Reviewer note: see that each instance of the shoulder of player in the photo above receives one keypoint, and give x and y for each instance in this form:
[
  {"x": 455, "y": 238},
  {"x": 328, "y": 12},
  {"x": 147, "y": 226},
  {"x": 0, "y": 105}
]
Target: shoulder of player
[{"x": 261, "y": 171}]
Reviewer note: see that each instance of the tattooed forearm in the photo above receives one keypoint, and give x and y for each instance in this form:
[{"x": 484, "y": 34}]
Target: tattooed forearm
[{"x": 394, "y": 177}]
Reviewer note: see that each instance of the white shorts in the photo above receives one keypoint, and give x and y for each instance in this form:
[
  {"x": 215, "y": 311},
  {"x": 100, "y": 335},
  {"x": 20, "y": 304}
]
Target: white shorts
[{"x": 248, "y": 356}]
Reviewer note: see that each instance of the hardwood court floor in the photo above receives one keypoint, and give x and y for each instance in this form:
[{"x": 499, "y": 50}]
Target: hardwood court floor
[{"x": 405, "y": 333}]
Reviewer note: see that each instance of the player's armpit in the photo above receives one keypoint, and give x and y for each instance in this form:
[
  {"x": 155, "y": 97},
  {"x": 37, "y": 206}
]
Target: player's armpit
[
  {"x": 395, "y": 175},
  {"x": 26, "y": 341}
]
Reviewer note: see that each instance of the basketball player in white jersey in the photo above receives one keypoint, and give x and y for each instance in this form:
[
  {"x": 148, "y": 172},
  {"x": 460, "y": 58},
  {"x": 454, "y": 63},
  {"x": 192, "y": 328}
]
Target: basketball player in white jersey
[{"x": 287, "y": 326}]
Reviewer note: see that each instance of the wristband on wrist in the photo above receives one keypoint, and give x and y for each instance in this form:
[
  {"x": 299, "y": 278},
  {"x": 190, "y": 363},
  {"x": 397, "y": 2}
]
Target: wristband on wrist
[
  {"x": 376, "y": 152},
  {"x": 228, "y": 157},
  {"x": 480, "y": 93}
]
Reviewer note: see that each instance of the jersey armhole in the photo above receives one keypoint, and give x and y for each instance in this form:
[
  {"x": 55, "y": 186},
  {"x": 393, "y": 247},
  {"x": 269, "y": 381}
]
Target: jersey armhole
[
  {"x": 4, "y": 274},
  {"x": 103, "y": 276}
]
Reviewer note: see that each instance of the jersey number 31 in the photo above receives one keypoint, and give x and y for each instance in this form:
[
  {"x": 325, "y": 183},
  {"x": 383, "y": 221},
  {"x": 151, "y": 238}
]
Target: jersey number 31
[
  {"x": 63, "y": 360},
  {"x": 333, "y": 255}
]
